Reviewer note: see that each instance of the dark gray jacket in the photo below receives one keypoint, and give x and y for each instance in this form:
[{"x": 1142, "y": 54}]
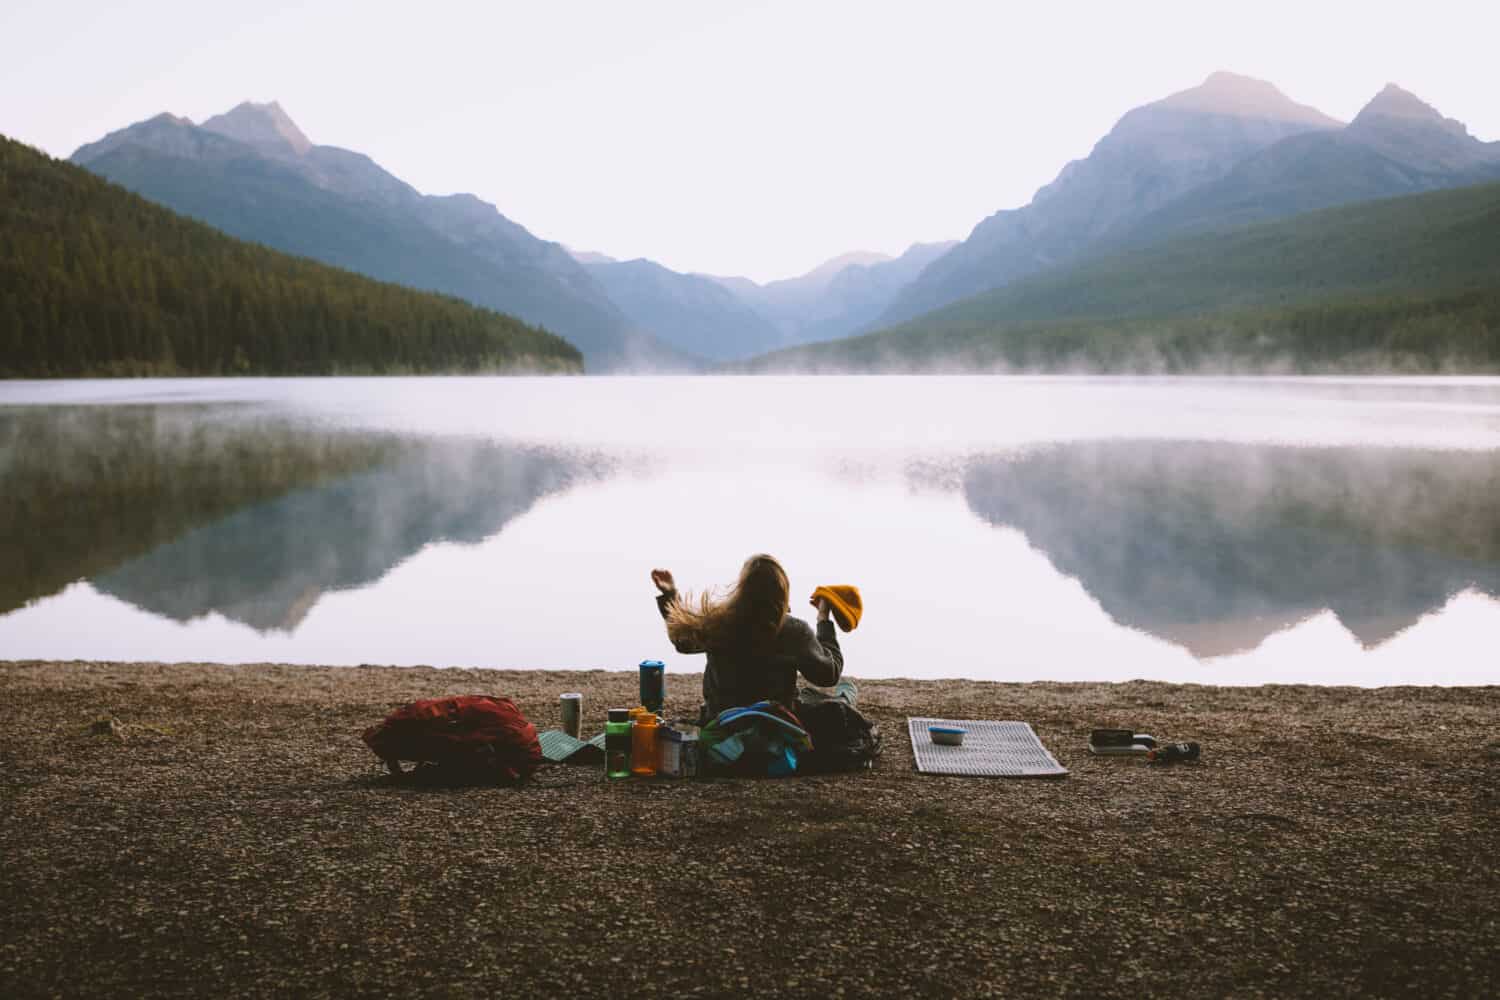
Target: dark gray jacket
[{"x": 735, "y": 677}]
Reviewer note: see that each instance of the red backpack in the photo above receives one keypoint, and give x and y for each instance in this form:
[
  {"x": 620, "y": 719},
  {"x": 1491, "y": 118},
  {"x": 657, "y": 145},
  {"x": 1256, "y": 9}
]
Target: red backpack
[{"x": 470, "y": 737}]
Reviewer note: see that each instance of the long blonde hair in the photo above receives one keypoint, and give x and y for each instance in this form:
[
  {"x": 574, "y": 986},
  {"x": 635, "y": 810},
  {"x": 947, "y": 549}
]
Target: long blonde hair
[{"x": 751, "y": 614}]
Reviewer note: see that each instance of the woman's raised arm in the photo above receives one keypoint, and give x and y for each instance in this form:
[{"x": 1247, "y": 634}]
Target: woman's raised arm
[
  {"x": 821, "y": 661},
  {"x": 665, "y": 599}
]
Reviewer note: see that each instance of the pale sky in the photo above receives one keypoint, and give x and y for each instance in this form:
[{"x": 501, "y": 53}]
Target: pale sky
[{"x": 731, "y": 138}]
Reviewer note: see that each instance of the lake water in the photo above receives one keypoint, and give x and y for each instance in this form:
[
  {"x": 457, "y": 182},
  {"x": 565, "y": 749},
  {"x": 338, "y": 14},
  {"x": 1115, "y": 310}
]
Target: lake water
[{"x": 1339, "y": 531}]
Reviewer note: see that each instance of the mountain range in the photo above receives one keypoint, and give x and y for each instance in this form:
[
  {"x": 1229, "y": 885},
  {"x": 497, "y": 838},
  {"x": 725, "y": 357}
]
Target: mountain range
[
  {"x": 1228, "y": 153},
  {"x": 1407, "y": 284},
  {"x": 252, "y": 173},
  {"x": 97, "y": 281}
]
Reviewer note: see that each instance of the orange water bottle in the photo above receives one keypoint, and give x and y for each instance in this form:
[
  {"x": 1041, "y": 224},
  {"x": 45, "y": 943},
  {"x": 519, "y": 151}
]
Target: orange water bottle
[{"x": 643, "y": 746}]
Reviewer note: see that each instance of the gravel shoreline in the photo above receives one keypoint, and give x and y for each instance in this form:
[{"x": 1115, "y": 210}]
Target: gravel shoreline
[{"x": 232, "y": 835}]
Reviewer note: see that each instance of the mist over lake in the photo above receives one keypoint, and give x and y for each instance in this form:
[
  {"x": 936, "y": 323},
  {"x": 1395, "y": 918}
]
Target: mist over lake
[{"x": 1342, "y": 531}]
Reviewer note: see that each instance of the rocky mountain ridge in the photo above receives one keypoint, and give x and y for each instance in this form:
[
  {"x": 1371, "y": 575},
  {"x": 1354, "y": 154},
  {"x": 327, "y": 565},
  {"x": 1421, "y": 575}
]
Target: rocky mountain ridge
[
  {"x": 1154, "y": 154},
  {"x": 253, "y": 173},
  {"x": 265, "y": 126},
  {"x": 1229, "y": 152},
  {"x": 1396, "y": 145}
]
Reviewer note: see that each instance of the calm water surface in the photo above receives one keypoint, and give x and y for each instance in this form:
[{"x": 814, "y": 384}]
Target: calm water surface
[{"x": 1223, "y": 531}]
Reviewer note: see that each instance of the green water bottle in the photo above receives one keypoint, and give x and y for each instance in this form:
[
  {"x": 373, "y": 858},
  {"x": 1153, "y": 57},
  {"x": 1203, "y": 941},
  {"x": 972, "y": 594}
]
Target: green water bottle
[{"x": 617, "y": 743}]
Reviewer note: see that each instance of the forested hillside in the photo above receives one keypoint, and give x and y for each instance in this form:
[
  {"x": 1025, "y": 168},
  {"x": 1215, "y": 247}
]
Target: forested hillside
[
  {"x": 97, "y": 281},
  {"x": 1405, "y": 284}
]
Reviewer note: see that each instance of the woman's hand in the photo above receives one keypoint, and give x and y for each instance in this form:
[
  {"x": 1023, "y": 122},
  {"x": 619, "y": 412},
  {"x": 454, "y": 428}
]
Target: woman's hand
[
  {"x": 663, "y": 580},
  {"x": 824, "y": 608}
]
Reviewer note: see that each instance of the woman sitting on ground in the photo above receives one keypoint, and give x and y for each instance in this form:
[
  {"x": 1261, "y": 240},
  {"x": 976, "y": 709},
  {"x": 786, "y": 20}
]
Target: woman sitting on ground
[{"x": 755, "y": 648}]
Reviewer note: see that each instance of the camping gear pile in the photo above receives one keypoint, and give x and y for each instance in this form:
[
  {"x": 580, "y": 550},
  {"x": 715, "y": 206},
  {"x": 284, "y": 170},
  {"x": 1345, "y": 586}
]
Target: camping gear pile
[
  {"x": 766, "y": 739},
  {"x": 488, "y": 739},
  {"x": 818, "y": 735},
  {"x": 481, "y": 739}
]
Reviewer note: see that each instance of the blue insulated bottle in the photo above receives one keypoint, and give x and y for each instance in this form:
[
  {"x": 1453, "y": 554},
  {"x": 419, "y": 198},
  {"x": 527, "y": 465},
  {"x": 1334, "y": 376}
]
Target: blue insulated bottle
[{"x": 653, "y": 684}]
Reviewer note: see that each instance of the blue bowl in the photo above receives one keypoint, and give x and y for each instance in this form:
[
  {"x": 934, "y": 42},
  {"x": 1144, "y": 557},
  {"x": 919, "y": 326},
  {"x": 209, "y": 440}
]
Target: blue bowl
[{"x": 948, "y": 736}]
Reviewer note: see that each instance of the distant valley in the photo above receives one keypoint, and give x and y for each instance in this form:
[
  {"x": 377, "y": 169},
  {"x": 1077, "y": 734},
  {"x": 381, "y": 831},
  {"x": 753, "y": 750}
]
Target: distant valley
[{"x": 724, "y": 318}]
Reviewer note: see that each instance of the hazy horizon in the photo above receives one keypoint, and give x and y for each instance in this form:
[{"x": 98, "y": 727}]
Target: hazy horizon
[{"x": 734, "y": 142}]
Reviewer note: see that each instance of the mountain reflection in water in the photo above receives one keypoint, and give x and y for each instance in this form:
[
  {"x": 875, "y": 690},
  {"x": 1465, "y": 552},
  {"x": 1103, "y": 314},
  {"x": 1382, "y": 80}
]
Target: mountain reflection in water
[
  {"x": 88, "y": 488},
  {"x": 1005, "y": 529},
  {"x": 267, "y": 565},
  {"x": 1215, "y": 546},
  {"x": 183, "y": 511}
]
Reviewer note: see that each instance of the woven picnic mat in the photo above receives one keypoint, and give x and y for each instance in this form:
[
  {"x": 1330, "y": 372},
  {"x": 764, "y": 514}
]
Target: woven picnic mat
[{"x": 989, "y": 750}]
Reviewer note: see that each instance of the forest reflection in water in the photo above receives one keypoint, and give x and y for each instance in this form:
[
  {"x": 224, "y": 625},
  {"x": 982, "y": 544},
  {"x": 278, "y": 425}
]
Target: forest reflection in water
[{"x": 243, "y": 531}]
